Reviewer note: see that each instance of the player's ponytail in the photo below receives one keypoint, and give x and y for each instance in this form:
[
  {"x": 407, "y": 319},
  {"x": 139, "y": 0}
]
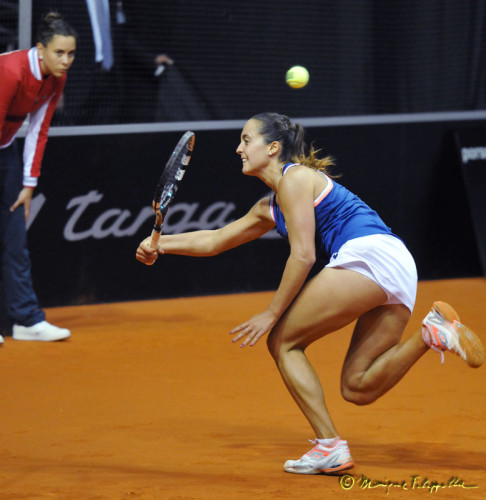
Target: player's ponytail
[
  {"x": 53, "y": 24},
  {"x": 290, "y": 135},
  {"x": 298, "y": 146}
]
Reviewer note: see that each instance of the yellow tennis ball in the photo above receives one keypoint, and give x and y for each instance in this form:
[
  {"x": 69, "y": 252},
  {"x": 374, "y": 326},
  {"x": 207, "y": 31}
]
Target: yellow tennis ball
[{"x": 297, "y": 77}]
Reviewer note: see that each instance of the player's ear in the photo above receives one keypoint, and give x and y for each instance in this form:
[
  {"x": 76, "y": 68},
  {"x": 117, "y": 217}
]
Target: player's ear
[{"x": 274, "y": 148}]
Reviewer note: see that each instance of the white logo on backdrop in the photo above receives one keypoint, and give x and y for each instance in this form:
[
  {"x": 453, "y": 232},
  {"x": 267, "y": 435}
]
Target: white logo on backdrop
[
  {"x": 121, "y": 223},
  {"x": 473, "y": 154}
]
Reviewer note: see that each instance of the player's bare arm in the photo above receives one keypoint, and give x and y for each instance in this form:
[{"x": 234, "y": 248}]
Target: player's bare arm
[
  {"x": 206, "y": 243},
  {"x": 296, "y": 199}
]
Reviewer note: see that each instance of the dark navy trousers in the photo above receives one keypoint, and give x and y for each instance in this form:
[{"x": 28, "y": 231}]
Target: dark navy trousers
[{"x": 20, "y": 301}]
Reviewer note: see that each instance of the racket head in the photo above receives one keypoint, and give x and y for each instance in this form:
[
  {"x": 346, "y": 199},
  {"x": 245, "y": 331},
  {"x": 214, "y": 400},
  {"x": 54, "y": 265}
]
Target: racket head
[
  {"x": 169, "y": 182},
  {"x": 173, "y": 173}
]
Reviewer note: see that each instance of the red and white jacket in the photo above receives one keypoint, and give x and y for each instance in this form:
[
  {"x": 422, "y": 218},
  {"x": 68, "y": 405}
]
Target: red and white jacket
[{"x": 25, "y": 92}]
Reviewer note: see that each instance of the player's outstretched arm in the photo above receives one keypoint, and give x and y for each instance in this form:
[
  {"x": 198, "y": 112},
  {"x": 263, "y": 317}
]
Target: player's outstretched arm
[{"x": 206, "y": 243}]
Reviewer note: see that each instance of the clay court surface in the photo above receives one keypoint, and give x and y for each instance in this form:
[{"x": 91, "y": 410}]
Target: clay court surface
[{"x": 152, "y": 400}]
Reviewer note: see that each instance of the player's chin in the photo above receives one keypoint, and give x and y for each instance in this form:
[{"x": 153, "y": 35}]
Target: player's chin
[{"x": 246, "y": 170}]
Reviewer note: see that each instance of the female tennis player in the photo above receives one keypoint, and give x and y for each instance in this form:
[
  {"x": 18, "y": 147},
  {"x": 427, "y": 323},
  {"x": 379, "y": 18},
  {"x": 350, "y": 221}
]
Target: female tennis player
[
  {"x": 32, "y": 82},
  {"x": 370, "y": 277}
]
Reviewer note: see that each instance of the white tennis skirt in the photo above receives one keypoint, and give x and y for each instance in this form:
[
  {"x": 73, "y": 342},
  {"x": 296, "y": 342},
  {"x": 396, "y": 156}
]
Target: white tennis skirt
[{"x": 384, "y": 259}]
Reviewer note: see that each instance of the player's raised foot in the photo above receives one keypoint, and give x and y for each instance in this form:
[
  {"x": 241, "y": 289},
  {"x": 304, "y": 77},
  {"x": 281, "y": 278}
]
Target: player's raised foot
[
  {"x": 1, "y": 340},
  {"x": 442, "y": 330},
  {"x": 322, "y": 460},
  {"x": 42, "y": 331}
]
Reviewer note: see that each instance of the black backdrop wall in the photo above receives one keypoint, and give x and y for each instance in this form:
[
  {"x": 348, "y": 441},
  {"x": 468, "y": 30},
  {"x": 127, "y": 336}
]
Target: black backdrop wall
[
  {"x": 368, "y": 57},
  {"x": 92, "y": 208},
  {"x": 364, "y": 57}
]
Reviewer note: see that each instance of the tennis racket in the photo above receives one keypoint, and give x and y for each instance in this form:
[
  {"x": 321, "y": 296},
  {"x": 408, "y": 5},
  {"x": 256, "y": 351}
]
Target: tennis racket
[{"x": 169, "y": 182}]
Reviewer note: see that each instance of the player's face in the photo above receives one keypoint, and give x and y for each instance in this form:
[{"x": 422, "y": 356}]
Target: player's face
[
  {"x": 57, "y": 56},
  {"x": 252, "y": 149}
]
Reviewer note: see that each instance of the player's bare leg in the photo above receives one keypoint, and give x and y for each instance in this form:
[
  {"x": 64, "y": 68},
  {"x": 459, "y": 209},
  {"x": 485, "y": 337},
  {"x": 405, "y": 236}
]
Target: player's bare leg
[
  {"x": 331, "y": 300},
  {"x": 377, "y": 358}
]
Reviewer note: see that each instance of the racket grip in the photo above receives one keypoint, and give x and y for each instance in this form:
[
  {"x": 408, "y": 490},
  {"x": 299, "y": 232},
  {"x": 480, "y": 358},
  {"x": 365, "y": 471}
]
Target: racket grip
[{"x": 155, "y": 239}]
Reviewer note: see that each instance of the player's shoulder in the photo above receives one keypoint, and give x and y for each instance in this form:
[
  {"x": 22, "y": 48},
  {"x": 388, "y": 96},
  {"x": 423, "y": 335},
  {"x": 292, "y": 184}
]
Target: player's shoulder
[
  {"x": 297, "y": 177},
  {"x": 298, "y": 172}
]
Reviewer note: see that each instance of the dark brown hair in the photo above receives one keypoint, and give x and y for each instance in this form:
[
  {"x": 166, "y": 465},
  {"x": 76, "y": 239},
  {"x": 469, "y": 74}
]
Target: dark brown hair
[
  {"x": 290, "y": 135},
  {"x": 53, "y": 24}
]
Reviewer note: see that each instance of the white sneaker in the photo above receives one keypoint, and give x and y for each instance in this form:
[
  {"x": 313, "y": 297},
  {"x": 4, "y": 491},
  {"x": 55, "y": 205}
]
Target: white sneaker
[
  {"x": 1, "y": 339},
  {"x": 40, "y": 331},
  {"x": 442, "y": 330},
  {"x": 322, "y": 460}
]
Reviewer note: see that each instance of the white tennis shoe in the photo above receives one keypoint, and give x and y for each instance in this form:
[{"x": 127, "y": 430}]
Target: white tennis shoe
[
  {"x": 1, "y": 340},
  {"x": 442, "y": 330},
  {"x": 322, "y": 460},
  {"x": 42, "y": 331}
]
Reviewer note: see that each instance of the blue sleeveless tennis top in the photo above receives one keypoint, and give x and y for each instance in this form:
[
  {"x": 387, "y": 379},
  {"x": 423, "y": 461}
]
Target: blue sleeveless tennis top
[{"x": 340, "y": 216}]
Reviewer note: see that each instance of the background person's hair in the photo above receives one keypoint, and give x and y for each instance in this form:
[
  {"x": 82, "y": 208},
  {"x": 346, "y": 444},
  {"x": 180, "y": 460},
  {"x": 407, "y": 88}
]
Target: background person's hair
[{"x": 53, "y": 24}]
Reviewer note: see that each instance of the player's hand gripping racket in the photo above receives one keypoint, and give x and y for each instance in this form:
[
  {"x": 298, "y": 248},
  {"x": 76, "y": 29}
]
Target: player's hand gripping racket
[{"x": 169, "y": 182}]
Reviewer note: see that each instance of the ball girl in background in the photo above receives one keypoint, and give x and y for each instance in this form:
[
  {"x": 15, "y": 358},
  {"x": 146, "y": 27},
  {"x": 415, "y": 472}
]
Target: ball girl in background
[
  {"x": 370, "y": 278},
  {"x": 32, "y": 83}
]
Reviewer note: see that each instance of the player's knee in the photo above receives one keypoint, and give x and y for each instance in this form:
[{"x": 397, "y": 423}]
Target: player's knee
[
  {"x": 357, "y": 398},
  {"x": 356, "y": 395},
  {"x": 274, "y": 346}
]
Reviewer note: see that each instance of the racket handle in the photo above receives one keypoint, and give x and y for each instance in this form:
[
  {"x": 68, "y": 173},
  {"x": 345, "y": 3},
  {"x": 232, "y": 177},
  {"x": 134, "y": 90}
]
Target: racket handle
[
  {"x": 157, "y": 229},
  {"x": 155, "y": 239}
]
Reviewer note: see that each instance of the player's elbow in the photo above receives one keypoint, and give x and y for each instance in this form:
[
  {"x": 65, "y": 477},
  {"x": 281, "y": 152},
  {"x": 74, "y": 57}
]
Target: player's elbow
[
  {"x": 310, "y": 260},
  {"x": 211, "y": 252},
  {"x": 305, "y": 258}
]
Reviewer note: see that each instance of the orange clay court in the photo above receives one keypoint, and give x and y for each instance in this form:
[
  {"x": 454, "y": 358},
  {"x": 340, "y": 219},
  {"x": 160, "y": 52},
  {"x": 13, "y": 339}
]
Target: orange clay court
[{"x": 152, "y": 400}]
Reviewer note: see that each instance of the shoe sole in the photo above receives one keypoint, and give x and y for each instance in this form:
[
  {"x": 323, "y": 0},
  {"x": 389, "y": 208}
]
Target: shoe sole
[
  {"x": 446, "y": 311},
  {"x": 37, "y": 339},
  {"x": 468, "y": 340},
  {"x": 337, "y": 470},
  {"x": 471, "y": 344},
  {"x": 333, "y": 471}
]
